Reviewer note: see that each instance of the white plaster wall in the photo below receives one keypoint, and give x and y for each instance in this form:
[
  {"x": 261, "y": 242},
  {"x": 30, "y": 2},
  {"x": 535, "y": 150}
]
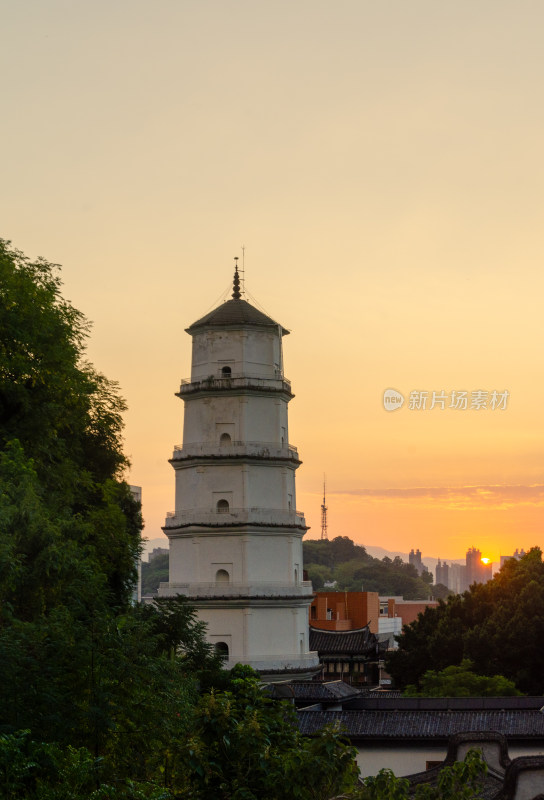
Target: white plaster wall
[
  {"x": 406, "y": 761},
  {"x": 529, "y": 784},
  {"x": 203, "y": 414},
  {"x": 198, "y": 558},
  {"x": 269, "y": 486},
  {"x": 270, "y": 558},
  {"x": 260, "y": 485},
  {"x": 256, "y": 418},
  {"x": 515, "y": 750},
  {"x": 403, "y": 761},
  {"x": 226, "y": 625},
  {"x": 184, "y": 560},
  {"x": 276, "y": 631},
  {"x": 255, "y": 634},
  {"x": 201, "y": 486},
  {"x": 253, "y": 352},
  {"x": 264, "y": 418},
  {"x": 258, "y": 557}
]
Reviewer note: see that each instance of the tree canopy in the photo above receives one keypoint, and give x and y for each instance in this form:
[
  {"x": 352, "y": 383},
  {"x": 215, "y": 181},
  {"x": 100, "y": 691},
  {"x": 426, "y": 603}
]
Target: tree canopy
[
  {"x": 80, "y": 667},
  {"x": 498, "y": 626},
  {"x": 461, "y": 681}
]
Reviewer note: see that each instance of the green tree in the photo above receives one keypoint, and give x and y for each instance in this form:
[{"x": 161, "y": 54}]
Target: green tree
[
  {"x": 440, "y": 592},
  {"x": 319, "y": 574},
  {"x": 244, "y": 745},
  {"x": 79, "y": 665},
  {"x": 461, "y": 681},
  {"x": 487, "y": 625}
]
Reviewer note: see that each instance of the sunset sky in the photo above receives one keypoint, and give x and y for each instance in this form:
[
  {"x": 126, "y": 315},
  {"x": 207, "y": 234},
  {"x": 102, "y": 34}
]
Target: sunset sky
[{"x": 382, "y": 163}]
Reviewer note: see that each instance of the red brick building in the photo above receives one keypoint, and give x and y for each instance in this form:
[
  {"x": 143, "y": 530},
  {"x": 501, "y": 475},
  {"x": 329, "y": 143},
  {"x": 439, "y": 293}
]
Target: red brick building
[{"x": 345, "y": 611}]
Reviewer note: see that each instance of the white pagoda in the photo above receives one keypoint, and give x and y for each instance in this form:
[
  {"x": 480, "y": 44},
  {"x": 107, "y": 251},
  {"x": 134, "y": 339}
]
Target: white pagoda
[{"x": 236, "y": 536}]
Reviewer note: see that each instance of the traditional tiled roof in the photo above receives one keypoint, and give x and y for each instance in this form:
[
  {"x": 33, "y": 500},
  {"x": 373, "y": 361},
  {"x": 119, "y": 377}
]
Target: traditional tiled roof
[
  {"x": 329, "y": 691},
  {"x": 235, "y": 312},
  {"x": 343, "y": 643},
  {"x": 423, "y": 724}
]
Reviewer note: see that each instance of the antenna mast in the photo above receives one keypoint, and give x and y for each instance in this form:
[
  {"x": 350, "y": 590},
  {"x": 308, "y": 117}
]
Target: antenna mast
[
  {"x": 243, "y": 270},
  {"x": 324, "y": 533}
]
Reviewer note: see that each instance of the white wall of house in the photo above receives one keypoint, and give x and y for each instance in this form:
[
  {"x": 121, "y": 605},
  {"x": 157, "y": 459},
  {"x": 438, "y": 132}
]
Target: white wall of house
[
  {"x": 406, "y": 759},
  {"x": 390, "y": 625}
]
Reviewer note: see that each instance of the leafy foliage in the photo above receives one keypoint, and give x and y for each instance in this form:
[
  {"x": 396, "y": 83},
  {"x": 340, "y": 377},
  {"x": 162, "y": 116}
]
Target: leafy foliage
[
  {"x": 498, "y": 625},
  {"x": 245, "y": 746},
  {"x": 79, "y": 665},
  {"x": 462, "y": 681}
]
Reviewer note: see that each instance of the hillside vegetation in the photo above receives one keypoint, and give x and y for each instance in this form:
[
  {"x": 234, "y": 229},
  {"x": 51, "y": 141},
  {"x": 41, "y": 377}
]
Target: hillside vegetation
[{"x": 351, "y": 568}]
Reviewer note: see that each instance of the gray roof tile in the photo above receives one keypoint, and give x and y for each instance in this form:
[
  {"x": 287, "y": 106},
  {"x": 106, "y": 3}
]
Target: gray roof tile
[{"x": 406, "y": 725}]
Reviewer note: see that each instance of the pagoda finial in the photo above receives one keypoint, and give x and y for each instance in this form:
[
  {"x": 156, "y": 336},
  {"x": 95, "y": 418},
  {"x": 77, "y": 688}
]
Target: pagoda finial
[{"x": 236, "y": 295}]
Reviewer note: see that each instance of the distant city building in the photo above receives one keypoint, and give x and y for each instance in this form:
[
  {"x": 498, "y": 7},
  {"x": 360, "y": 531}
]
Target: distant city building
[
  {"x": 136, "y": 492},
  {"x": 442, "y": 573},
  {"x": 414, "y": 559},
  {"x": 457, "y": 581},
  {"x": 460, "y": 577},
  {"x": 517, "y": 555},
  {"x": 476, "y": 570},
  {"x": 157, "y": 551}
]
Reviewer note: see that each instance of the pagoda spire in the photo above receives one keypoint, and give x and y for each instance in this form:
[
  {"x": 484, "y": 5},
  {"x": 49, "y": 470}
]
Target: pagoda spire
[{"x": 236, "y": 295}]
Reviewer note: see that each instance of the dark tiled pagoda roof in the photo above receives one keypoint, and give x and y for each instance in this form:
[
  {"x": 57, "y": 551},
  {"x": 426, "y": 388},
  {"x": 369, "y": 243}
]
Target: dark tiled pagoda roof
[
  {"x": 417, "y": 725},
  {"x": 233, "y": 313},
  {"x": 359, "y": 642}
]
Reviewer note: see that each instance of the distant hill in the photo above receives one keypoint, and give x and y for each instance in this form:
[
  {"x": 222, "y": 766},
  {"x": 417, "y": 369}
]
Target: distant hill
[{"x": 429, "y": 561}]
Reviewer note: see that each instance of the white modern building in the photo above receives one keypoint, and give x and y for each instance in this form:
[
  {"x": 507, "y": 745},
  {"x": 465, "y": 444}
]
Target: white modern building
[{"x": 235, "y": 535}]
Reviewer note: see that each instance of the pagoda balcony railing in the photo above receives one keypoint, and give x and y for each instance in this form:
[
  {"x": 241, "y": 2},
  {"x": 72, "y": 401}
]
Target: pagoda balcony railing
[
  {"x": 235, "y": 516},
  {"x": 236, "y": 380},
  {"x": 228, "y": 589},
  {"x": 235, "y": 448}
]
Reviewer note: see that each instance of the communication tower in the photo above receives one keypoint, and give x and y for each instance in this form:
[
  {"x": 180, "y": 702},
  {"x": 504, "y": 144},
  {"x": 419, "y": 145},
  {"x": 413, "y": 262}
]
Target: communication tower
[{"x": 324, "y": 533}]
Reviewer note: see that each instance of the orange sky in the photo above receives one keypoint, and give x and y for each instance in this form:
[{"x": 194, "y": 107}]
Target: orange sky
[{"x": 382, "y": 163}]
